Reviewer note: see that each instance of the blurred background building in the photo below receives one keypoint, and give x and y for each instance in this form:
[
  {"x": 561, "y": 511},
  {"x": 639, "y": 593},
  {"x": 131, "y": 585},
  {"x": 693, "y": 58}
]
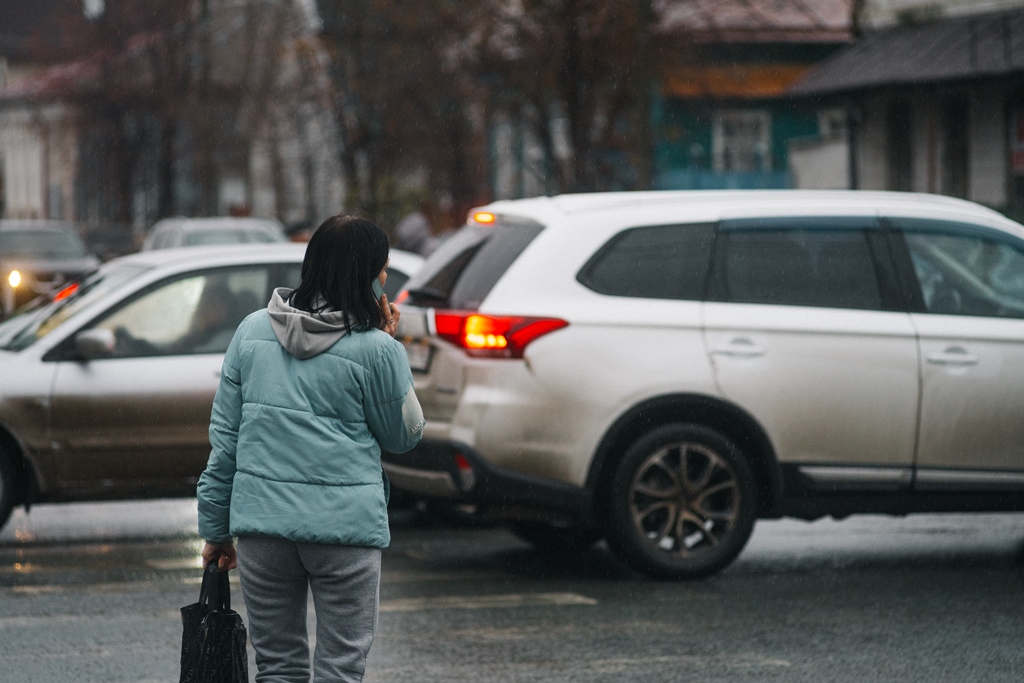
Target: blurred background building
[
  {"x": 120, "y": 112},
  {"x": 123, "y": 112},
  {"x": 935, "y": 99},
  {"x": 724, "y": 119}
]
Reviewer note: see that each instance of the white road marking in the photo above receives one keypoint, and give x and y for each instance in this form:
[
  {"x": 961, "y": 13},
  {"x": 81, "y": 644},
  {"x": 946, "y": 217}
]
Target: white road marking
[
  {"x": 36, "y": 590},
  {"x": 731, "y": 661},
  {"x": 400, "y": 576},
  {"x": 181, "y": 563},
  {"x": 556, "y": 669},
  {"x": 484, "y": 601}
]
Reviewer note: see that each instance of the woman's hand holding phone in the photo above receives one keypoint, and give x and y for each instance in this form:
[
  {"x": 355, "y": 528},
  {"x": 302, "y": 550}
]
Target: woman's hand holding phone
[
  {"x": 391, "y": 315},
  {"x": 388, "y": 310}
]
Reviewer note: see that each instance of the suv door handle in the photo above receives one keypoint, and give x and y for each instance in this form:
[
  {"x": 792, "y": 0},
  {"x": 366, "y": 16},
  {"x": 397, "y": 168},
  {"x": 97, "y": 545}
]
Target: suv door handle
[
  {"x": 741, "y": 347},
  {"x": 954, "y": 355}
]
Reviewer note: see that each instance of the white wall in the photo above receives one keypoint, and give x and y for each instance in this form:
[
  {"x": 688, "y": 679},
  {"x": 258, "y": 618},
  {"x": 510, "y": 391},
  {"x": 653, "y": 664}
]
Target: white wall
[
  {"x": 820, "y": 164},
  {"x": 39, "y": 150},
  {"x": 261, "y": 175},
  {"x": 989, "y": 163},
  {"x": 923, "y": 134},
  {"x": 21, "y": 150},
  {"x": 881, "y": 13}
]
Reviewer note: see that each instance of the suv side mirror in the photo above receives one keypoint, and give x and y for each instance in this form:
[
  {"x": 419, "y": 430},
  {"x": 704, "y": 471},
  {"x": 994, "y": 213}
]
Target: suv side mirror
[{"x": 95, "y": 343}]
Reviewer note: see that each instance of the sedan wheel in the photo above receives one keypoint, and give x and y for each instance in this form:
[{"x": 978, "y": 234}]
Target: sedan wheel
[
  {"x": 683, "y": 503},
  {"x": 6, "y": 487}
]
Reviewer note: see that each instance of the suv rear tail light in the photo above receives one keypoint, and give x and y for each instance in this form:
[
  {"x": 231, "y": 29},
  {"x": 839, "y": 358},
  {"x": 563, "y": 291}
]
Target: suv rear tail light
[{"x": 492, "y": 336}]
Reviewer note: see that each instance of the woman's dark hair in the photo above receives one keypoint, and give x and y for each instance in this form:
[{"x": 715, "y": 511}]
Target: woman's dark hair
[{"x": 343, "y": 257}]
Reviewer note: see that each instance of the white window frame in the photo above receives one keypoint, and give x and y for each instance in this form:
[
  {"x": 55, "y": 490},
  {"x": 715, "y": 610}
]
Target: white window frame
[
  {"x": 832, "y": 123},
  {"x": 736, "y": 149}
]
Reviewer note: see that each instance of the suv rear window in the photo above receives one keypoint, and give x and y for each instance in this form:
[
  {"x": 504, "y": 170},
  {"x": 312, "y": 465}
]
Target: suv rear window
[
  {"x": 658, "y": 262},
  {"x": 464, "y": 269}
]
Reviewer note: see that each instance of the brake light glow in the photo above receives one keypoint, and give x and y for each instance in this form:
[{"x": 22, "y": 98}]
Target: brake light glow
[
  {"x": 484, "y": 217},
  {"x": 464, "y": 470},
  {"x": 493, "y": 336},
  {"x": 481, "y": 332},
  {"x": 66, "y": 292},
  {"x": 402, "y": 296}
]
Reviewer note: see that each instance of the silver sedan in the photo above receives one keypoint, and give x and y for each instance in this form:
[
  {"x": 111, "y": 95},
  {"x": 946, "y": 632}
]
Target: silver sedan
[{"x": 106, "y": 388}]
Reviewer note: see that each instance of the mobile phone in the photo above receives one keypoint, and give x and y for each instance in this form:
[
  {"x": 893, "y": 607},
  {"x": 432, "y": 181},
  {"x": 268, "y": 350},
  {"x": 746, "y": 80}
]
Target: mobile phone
[{"x": 378, "y": 289}]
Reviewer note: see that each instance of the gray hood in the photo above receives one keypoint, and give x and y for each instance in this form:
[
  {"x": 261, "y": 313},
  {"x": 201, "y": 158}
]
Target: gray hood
[{"x": 303, "y": 334}]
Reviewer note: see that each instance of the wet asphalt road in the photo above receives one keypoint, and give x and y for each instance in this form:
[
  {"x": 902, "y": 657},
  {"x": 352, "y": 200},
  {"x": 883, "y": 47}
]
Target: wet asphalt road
[{"x": 90, "y": 593}]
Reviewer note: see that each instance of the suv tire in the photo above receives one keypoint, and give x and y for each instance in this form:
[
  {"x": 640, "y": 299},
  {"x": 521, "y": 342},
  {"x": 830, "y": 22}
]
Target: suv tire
[
  {"x": 682, "y": 503},
  {"x": 556, "y": 539}
]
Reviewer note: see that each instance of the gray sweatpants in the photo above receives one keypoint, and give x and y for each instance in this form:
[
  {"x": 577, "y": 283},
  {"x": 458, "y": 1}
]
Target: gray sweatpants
[{"x": 276, "y": 576}]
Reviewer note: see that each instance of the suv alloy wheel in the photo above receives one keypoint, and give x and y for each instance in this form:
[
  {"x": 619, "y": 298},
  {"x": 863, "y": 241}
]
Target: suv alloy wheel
[{"x": 682, "y": 502}]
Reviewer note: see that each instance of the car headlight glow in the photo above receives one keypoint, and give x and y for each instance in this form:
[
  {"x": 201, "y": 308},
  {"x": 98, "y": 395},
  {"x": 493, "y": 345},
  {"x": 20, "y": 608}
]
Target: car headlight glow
[{"x": 14, "y": 279}]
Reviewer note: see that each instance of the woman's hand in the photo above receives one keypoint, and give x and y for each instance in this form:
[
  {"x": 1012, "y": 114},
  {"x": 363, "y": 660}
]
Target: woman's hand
[
  {"x": 391, "y": 315},
  {"x": 223, "y": 554}
]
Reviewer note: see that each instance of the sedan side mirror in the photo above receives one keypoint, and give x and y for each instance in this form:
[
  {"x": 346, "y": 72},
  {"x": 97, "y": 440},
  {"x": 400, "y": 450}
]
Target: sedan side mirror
[{"x": 95, "y": 343}]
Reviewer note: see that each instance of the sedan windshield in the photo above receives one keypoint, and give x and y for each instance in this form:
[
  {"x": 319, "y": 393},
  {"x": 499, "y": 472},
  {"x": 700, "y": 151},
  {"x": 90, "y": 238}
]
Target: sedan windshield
[
  {"x": 36, "y": 320},
  {"x": 41, "y": 244}
]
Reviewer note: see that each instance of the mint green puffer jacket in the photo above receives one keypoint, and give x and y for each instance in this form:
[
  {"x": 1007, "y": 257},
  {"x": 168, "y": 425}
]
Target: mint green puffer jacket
[{"x": 296, "y": 438}]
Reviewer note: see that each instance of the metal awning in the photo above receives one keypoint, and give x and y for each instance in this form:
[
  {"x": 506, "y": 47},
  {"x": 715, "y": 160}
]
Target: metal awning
[{"x": 982, "y": 46}]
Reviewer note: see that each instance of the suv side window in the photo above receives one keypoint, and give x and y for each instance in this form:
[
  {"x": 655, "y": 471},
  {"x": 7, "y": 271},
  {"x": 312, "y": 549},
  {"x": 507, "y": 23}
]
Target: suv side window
[
  {"x": 965, "y": 270},
  {"x": 658, "y": 262},
  {"x": 796, "y": 267}
]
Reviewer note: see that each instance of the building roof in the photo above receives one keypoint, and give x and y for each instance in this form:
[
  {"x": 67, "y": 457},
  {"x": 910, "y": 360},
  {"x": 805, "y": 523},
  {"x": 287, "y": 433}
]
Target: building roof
[
  {"x": 757, "y": 21},
  {"x": 55, "y": 82},
  {"x": 979, "y": 46}
]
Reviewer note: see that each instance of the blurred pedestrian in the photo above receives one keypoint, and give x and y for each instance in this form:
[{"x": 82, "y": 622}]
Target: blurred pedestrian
[
  {"x": 299, "y": 231},
  {"x": 312, "y": 389},
  {"x": 414, "y": 232}
]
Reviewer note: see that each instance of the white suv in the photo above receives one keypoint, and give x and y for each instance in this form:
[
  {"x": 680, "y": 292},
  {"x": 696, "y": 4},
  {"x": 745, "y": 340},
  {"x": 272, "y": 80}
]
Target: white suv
[{"x": 661, "y": 369}]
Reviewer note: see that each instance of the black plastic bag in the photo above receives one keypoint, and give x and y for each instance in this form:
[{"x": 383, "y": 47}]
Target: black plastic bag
[{"x": 213, "y": 635}]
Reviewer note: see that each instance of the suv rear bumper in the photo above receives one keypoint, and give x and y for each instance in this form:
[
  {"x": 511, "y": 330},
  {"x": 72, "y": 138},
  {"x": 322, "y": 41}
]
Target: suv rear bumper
[{"x": 454, "y": 472}]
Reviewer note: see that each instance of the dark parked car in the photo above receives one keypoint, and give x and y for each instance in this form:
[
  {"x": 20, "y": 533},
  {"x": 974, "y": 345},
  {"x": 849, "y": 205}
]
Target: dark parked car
[
  {"x": 37, "y": 257},
  {"x": 111, "y": 241}
]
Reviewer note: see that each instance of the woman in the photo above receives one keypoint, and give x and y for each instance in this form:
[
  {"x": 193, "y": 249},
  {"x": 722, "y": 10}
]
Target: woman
[{"x": 312, "y": 389}]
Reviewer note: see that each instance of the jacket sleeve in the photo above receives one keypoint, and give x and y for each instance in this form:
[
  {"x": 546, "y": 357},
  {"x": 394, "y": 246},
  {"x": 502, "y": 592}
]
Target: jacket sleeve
[
  {"x": 214, "y": 488},
  {"x": 392, "y": 410}
]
